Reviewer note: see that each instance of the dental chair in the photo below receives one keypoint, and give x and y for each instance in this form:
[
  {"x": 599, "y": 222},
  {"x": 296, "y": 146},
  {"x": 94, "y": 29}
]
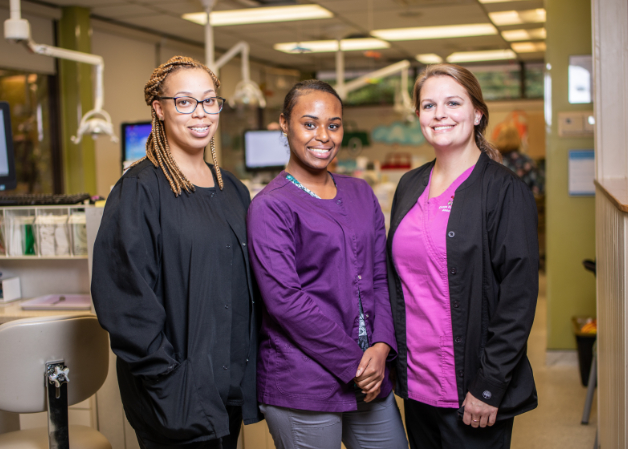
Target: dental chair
[{"x": 48, "y": 364}]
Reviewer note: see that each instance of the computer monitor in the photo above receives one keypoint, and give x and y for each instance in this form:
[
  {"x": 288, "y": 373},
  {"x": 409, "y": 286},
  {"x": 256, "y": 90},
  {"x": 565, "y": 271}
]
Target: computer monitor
[
  {"x": 8, "y": 180},
  {"x": 265, "y": 150},
  {"x": 134, "y": 137}
]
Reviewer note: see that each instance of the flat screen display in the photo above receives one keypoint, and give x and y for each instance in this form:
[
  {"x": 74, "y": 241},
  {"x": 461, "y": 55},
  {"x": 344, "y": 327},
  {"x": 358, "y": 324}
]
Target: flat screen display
[
  {"x": 4, "y": 159},
  {"x": 265, "y": 149},
  {"x": 8, "y": 180},
  {"x": 134, "y": 137}
]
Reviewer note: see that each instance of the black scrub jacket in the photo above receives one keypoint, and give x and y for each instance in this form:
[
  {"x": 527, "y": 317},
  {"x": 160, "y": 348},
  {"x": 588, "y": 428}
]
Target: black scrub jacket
[
  {"x": 492, "y": 263},
  {"x": 162, "y": 288}
]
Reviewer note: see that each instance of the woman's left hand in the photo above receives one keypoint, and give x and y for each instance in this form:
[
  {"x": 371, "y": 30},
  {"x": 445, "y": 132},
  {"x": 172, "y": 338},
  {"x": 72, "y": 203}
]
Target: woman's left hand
[
  {"x": 371, "y": 370},
  {"x": 478, "y": 413}
]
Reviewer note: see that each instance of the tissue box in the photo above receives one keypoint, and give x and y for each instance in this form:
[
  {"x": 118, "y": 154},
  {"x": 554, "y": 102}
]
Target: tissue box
[{"x": 10, "y": 289}]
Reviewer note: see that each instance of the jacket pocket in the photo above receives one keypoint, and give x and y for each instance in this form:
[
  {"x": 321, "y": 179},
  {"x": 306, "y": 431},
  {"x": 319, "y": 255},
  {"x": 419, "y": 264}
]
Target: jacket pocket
[
  {"x": 175, "y": 406},
  {"x": 299, "y": 375}
]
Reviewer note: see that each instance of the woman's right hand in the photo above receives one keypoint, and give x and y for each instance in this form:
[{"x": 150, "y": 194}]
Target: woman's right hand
[{"x": 372, "y": 370}]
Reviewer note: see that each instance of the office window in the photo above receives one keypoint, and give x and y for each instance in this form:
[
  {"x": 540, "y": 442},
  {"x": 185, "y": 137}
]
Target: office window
[
  {"x": 29, "y": 97},
  {"x": 499, "y": 82},
  {"x": 534, "y": 80}
]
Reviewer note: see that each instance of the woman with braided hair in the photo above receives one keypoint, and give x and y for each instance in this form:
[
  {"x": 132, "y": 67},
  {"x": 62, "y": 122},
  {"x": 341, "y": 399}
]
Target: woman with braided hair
[{"x": 171, "y": 281}]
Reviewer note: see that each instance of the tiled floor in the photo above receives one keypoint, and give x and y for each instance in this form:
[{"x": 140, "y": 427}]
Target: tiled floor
[{"x": 556, "y": 422}]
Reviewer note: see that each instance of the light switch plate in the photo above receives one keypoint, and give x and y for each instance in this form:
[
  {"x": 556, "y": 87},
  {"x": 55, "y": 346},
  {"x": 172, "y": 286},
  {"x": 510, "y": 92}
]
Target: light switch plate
[{"x": 575, "y": 124}]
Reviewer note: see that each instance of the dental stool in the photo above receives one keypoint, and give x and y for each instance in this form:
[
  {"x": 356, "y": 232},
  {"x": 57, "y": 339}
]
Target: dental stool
[{"x": 49, "y": 364}]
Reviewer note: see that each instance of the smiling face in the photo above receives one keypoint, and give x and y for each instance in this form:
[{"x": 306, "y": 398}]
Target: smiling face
[
  {"x": 446, "y": 114},
  {"x": 314, "y": 130},
  {"x": 187, "y": 132}
]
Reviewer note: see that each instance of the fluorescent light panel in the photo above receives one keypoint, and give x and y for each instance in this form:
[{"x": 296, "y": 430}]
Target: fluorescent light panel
[
  {"x": 524, "y": 35},
  {"x": 504, "y": 18},
  {"x": 429, "y": 58},
  {"x": 528, "y": 47},
  {"x": 439, "y": 32},
  {"x": 261, "y": 15},
  {"x": 488, "y": 55},
  {"x": 368, "y": 43}
]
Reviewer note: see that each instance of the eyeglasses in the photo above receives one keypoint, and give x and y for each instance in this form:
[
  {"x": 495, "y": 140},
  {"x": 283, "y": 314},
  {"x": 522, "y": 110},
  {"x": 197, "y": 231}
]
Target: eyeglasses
[{"x": 187, "y": 105}]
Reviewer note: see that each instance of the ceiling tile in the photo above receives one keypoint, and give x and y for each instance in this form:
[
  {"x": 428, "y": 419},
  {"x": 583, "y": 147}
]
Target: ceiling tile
[
  {"x": 351, "y": 18},
  {"x": 118, "y": 11}
]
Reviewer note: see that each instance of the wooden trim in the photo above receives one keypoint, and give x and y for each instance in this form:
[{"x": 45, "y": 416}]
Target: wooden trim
[{"x": 616, "y": 190}]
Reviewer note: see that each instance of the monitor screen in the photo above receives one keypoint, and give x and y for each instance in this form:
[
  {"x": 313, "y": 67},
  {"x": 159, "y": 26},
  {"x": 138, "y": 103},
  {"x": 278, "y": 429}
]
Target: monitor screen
[
  {"x": 8, "y": 179},
  {"x": 134, "y": 137},
  {"x": 265, "y": 149}
]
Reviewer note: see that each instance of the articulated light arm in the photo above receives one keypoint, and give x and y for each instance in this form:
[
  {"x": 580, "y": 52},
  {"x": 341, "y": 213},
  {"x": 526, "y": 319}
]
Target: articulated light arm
[
  {"x": 403, "y": 102},
  {"x": 247, "y": 91},
  {"x": 97, "y": 121}
]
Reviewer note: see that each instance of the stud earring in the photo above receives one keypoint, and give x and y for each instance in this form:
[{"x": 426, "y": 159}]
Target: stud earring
[{"x": 285, "y": 134}]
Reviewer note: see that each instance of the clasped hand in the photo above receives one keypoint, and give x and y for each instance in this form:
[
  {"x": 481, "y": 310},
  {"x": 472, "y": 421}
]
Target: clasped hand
[
  {"x": 478, "y": 413},
  {"x": 371, "y": 370}
]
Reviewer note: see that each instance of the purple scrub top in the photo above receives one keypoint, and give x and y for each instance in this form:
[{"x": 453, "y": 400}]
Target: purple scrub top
[{"x": 313, "y": 260}]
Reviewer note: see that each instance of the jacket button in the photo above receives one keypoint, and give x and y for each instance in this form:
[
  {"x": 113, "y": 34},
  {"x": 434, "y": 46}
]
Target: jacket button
[
  {"x": 359, "y": 277},
  {"x": 461, "y": 373},
  {"x": 226, "y": 306},
  {"x": 456, "y": 304},
  {"x": 244, "y": 244},
  {"x": 458, "y": 339},
  {"x": 453, "y": 270},
  {"x": 451, "y": 234},
  {"x": 367, "y": 315},
  {"x": 224, "y": 367}
]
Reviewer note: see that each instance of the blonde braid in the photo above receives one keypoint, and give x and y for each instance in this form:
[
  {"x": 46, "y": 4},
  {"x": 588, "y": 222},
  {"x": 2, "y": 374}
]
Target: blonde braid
[
  {"x": 157, "y": 148},
  {"x": 212, "y": 147}
]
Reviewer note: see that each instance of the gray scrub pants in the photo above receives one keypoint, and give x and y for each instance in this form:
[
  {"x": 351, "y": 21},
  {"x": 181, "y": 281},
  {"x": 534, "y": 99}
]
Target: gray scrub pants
[{"x": 374, "y": 425}]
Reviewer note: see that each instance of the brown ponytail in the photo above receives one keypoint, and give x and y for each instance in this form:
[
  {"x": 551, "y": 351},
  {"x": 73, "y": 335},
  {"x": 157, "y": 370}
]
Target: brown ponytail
[{"x": 471, "y": 84}]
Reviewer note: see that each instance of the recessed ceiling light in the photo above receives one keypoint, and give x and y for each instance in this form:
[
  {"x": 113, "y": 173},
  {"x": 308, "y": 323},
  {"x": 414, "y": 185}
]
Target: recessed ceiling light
[
  {"x": 504, "y": 18},
  {"x": 368, "y": 43},
  {"x": 429, "y": 58},
  {"x": 498, "y": 1},
  {"x": 528, "y": 47},
  {"x": 439, "y": 32},
  {"x": 261, "y": 15},
  {"x": 488, "y": 55},
  {"x": 524, "y": 35}
]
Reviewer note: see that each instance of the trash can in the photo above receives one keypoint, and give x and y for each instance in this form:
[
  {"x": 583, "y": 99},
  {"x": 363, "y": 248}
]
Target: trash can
[{"x": 585, "y": 330}]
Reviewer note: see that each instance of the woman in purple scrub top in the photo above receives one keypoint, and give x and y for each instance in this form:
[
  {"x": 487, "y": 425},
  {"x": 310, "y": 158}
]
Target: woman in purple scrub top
[
  {"x": 463, "y": 276},
  {"x": 317, "y": 244}
]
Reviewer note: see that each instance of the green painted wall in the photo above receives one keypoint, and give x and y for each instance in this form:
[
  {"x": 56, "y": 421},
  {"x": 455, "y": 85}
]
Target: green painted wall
[
  {"x": 76, "y": 92},
  {"x": 570, "y": 220}
]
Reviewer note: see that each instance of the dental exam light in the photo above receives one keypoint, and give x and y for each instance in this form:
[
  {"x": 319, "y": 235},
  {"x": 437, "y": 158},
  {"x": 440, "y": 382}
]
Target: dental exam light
[
  {"x": 247, "y": 91},
  {"x": 95, "y": 122}
]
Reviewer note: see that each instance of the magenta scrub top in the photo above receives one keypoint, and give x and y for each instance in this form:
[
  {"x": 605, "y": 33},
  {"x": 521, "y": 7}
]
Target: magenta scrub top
[{"x": 420, "y": 257}]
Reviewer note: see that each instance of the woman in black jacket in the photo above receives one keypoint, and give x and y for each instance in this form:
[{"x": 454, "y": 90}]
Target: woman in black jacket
[
  {"x": 171, "y": 281},
  {"x": 463, "y": 276}
]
